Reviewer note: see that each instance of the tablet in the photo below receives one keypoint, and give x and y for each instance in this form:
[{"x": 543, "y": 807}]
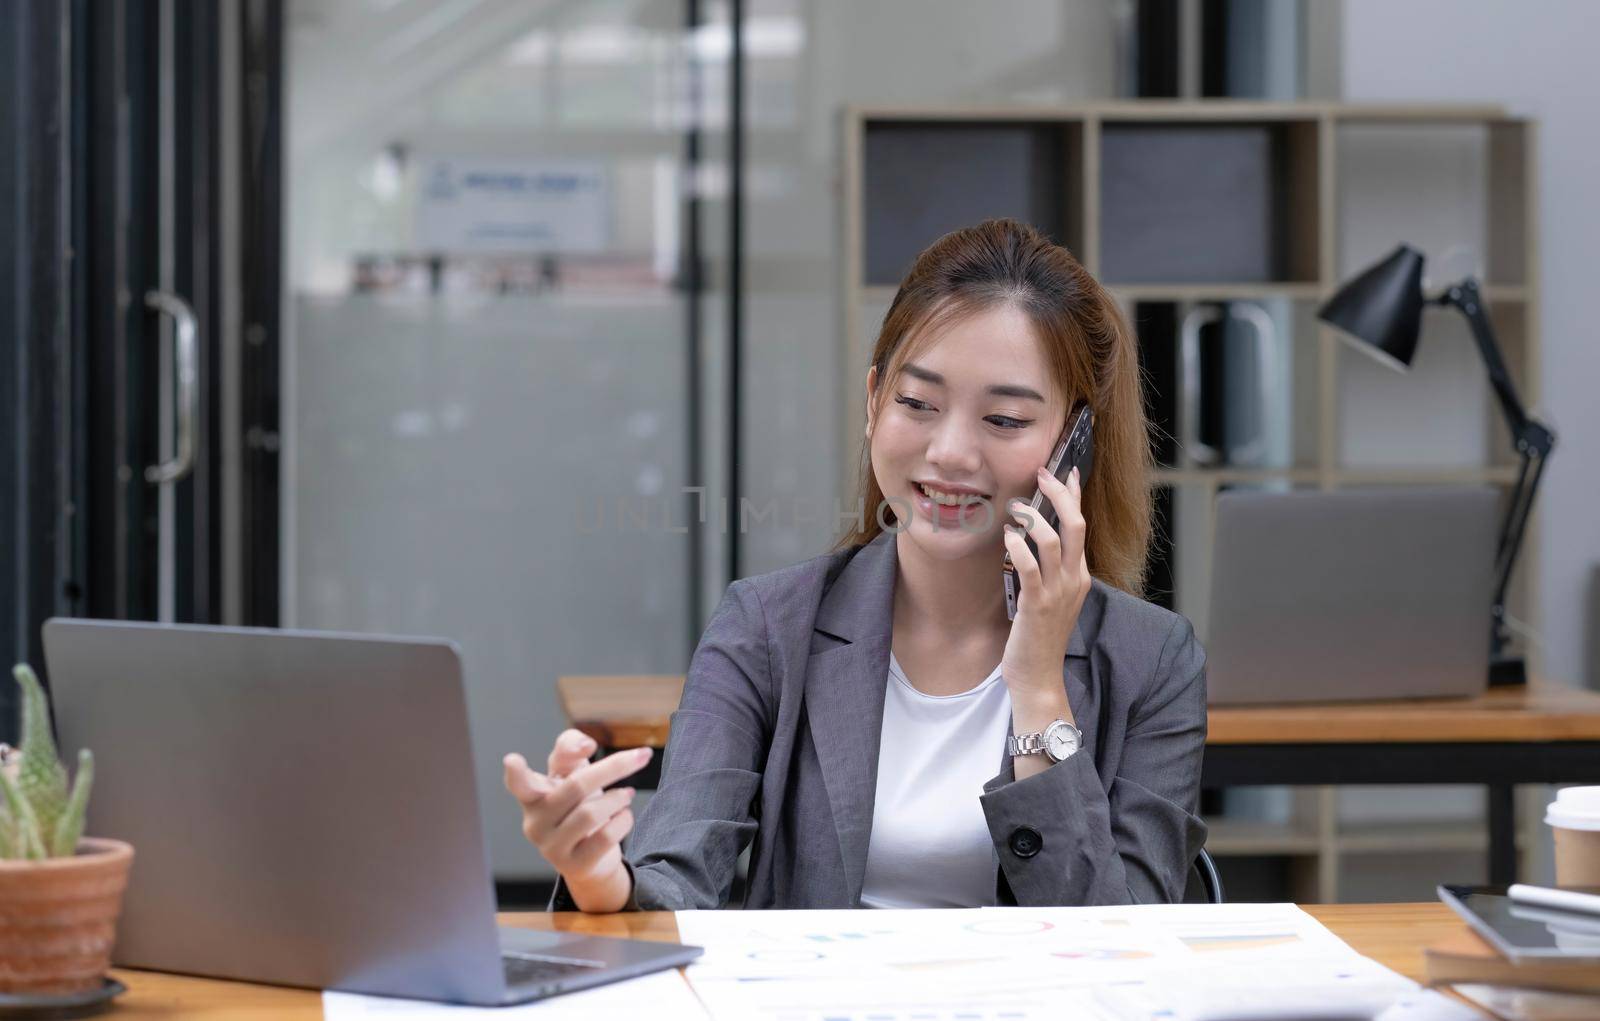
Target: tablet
[{"x": 1523, "y": 932}]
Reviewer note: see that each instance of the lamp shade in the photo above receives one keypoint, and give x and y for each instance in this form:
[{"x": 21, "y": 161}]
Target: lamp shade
[{"x": 1382, "y": 308}]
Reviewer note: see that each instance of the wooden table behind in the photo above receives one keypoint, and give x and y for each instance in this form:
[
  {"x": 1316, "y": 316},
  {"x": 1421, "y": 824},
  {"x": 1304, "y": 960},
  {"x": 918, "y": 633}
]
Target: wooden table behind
[
  {"x": 1391, "y": 934},
  {"x": 1538, "y": 711}
]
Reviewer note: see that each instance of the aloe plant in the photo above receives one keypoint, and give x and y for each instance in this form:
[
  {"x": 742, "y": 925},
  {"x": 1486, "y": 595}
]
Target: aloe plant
[{"x": 39, "y": 816}]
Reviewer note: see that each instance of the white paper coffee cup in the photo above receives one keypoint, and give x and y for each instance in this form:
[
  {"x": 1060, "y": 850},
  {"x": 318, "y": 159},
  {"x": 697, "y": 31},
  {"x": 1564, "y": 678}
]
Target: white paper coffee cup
[{"x": 1574, "y": 819}]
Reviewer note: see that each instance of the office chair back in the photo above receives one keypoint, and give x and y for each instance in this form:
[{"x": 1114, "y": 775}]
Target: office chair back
[{"x": 1205, "y": 882}]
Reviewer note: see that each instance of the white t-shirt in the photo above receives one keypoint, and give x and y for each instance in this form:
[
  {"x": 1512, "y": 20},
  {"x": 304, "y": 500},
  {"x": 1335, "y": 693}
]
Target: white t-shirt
[{"x": 930, "y": 845}]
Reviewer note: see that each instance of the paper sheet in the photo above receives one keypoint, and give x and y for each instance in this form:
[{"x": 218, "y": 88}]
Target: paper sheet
[
  {"x": 867, "y": 1000},
  {"x": 1062, "y": 942},
  {"x": 1429, "y": 1005},
  {"x": 1172, "y": 962},
  {"x": 1343, "y": 985},
  {"x": 662, "y": 996}
]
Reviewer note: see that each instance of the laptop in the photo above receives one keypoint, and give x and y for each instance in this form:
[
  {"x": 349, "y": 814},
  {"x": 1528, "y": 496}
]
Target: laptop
[
  {"x": 1352, "y": 594},
  {"x": 303, "y": 812}
]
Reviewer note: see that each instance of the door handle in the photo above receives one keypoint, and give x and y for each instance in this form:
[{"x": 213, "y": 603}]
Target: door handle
[{"x": 182, "y": 460}]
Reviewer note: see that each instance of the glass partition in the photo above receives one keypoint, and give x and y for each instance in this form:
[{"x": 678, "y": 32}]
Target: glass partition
[{"x": 491, "y": 357}]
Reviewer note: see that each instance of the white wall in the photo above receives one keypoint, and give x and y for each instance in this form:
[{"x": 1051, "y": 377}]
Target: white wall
[{"x": 1538, "y": 60}]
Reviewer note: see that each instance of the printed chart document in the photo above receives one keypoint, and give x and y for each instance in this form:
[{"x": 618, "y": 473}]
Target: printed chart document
[
  {"x": 660, "y": 996},
  {"x": 1177, "y": 962}
]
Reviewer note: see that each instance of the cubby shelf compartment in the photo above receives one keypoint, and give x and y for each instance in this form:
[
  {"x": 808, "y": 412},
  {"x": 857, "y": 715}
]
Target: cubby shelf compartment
[
  {"x": 1209, "y": 202},
  {"x": 924, "y": 178}
]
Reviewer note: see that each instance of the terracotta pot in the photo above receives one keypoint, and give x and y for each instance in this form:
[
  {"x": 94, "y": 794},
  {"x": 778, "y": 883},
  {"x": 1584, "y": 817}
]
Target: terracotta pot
[{"x": 58, "y": 918}]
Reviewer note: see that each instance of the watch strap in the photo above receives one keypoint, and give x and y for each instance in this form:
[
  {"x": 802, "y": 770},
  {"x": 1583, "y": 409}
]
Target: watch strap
[{"x": 1025, "y": 744}]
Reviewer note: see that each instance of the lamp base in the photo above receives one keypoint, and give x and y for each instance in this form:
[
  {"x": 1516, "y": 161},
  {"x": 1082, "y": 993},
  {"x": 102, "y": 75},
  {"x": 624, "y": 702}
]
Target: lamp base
[{"x": 1507, "y": 670}]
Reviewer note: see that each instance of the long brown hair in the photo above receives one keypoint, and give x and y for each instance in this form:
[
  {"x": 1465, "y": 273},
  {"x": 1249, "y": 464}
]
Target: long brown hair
[{"x": 1091, "y": 355}]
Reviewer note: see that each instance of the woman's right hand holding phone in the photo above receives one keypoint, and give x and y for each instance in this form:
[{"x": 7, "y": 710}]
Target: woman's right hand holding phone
[{"x": 574, "y": 822}]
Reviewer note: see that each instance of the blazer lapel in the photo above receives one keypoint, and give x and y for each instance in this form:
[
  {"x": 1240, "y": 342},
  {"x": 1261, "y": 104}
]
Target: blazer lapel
[
  {"x": 846, "y": 676},
  {"x": 1078, "y": 671}
]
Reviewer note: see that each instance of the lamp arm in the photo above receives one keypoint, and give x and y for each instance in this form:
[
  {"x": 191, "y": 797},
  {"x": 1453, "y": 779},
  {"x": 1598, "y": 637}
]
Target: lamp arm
[
  {"x": 1465, "y": 298},
  {"x": 1532, "y": 439},
  {"x": 1511, "y": 531}
]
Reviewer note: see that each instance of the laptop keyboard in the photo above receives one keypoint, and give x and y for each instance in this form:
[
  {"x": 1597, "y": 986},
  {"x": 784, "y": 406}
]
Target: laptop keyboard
[{"x": 521, "y": 968}]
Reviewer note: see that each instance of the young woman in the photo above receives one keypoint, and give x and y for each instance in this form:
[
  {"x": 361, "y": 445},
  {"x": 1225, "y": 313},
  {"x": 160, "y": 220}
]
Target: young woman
[{"x": 871, "y": 718}]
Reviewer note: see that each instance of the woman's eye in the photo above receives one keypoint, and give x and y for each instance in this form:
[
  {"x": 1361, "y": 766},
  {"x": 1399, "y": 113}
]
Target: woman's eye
[
  {"x": 1002, "y": 421},
  {"x": 1007, "y": 422}
]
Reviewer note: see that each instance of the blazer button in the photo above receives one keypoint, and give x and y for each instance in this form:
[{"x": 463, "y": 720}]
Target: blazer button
[{"x": 1026, "y": 842}]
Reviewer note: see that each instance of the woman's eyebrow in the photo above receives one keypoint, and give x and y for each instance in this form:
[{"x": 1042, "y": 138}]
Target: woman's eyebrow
[{"x": 998, "y": 390}]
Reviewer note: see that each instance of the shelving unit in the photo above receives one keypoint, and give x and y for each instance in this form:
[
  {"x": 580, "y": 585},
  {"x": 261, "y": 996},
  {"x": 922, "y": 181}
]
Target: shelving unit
[{"x": 1273, "y": 204}]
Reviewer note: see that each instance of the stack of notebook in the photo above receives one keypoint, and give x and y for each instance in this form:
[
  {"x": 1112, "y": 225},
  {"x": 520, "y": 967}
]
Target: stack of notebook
[
  {"x": 1465, "y": 957},
  {"x": 1521, "y": 961}
]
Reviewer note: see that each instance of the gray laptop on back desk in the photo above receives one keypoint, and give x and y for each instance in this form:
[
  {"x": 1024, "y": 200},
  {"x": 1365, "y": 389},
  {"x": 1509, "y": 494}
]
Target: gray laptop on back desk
[
  {"x": 303, "y": 812},
  {"x": 1355, "y": 594}
]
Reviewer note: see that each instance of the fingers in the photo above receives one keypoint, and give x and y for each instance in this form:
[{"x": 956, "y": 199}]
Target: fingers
[
  {"x": 1045, "y": 539},
  {"x": 599, "y": 851},
  {"x": 586, "y": 780},
  {"x": 1022, "y": 558},
  {"x": 572, "y": 749},
  {"x": 1061, "y": 553},
  {"x": 588, "y": 819},
  {"x": 559, "y": 812},
  {"x": 1067, "y": 499},
  {"x": 524, "y": 784},
  {"x": 1074, "y": 537}
]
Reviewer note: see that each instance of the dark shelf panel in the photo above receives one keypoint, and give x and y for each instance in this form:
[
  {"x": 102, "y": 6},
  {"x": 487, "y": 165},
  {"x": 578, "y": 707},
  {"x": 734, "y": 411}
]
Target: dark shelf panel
[
  {"x": 924, "y": 179},
  {"x": 1200, "y": 203}
]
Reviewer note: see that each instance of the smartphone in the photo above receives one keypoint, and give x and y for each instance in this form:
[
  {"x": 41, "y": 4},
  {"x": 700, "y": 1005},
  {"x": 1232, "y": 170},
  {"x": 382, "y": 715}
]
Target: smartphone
[{"x": 1075, "y": 449}]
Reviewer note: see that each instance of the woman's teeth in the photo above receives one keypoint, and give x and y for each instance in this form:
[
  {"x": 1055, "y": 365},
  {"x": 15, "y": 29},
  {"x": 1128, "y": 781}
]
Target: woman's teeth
[{"x": 948, "y": 499}]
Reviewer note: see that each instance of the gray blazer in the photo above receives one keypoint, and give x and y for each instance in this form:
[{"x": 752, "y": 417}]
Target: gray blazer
[{"x": 776, "y": 741}]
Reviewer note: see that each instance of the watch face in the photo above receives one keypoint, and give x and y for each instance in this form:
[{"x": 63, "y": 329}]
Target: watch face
[{"x": 1061, "y": 742}]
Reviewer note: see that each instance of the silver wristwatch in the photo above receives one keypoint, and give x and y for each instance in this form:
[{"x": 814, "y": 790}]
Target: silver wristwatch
[{"x": 1060, "y": 740}]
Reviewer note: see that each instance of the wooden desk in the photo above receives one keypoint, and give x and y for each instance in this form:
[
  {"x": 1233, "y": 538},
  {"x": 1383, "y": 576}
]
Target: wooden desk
[
  {"x": 1538, "y": 733},
  {"x": 1537, "y": 712},
  {"x": 1391, "y": 934}
]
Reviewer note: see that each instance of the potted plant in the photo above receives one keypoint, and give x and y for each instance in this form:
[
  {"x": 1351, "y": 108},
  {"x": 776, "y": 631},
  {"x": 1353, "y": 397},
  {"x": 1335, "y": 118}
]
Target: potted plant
[{"x": 60, "y": 892}]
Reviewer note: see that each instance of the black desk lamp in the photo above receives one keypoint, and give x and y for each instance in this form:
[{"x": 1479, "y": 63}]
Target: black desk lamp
[{"x": 1383, "y": 308}]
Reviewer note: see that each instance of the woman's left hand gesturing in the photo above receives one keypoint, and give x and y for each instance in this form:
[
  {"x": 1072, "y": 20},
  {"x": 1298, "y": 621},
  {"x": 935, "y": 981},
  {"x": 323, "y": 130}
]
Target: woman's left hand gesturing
[{"x": 1054, "y": 587}]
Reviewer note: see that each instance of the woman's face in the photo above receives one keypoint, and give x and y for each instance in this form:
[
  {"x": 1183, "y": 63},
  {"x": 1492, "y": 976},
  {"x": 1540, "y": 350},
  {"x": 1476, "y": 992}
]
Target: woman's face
[{"x": 973, "y": 416}]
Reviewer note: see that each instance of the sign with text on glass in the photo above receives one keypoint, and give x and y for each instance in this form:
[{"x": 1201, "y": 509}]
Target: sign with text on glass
[{"x": 488, "y": 204}]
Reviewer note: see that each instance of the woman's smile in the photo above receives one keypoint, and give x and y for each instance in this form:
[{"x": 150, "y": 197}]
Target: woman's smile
[{"x": 968, "y": 512}]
